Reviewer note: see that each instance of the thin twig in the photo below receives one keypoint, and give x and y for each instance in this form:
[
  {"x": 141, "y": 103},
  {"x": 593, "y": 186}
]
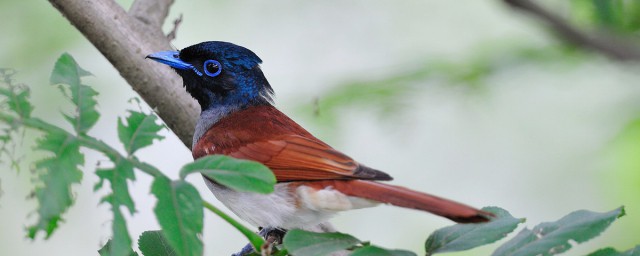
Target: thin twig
[
  {"x": 176, "y": 23},
  {"x": 610, "y": 46},
  {"x": 151, "y": 12},
  {"x": 86, "y": 141}
]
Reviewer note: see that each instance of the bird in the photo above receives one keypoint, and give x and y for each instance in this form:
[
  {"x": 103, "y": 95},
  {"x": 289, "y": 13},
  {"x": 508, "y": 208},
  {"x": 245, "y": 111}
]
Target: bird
[{"x": 314, "y": 181}]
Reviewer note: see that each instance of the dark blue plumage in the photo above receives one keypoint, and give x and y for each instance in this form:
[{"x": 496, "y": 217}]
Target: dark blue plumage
[{"x": 239, "y": 83}]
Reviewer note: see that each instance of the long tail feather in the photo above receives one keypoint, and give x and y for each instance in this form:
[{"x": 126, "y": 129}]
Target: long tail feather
[{"x": 404, "y": 197}]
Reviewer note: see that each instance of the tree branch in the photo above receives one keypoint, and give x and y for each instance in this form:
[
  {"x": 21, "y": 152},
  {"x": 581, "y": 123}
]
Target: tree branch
[
  {"x": 151, "y": 12},
  {"x": 612, "y": 47},
  {"x": 125, "y": 41}
]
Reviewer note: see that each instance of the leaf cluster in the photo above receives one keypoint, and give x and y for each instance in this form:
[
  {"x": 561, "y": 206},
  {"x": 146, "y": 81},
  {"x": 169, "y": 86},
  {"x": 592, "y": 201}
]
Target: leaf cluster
[
  {"x": 179, "y": 209},
  {"x": 549, "y": 238}
]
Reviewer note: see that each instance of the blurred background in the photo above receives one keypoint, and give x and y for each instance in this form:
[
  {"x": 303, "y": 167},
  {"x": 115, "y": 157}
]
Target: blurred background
[{"x": 469, "y": 100}]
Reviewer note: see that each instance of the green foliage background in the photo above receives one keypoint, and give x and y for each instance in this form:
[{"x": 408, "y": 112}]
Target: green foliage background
[{"x": 442, "y": 95}]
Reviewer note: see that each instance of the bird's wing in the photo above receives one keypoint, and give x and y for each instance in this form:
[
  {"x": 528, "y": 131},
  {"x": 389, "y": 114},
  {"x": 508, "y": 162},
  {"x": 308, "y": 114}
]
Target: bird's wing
[
  {"x": 296, "y": 158},
  {"x": 266, "y": 135}
]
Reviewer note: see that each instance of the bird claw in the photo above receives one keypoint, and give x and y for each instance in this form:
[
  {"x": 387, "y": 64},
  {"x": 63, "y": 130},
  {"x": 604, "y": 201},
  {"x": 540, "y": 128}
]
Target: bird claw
[{"x": 272, "y": 236}]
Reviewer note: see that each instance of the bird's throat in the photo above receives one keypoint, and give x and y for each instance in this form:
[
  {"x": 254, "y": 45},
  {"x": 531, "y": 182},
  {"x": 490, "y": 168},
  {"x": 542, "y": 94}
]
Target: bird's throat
[{"x": 209, "y": 117}]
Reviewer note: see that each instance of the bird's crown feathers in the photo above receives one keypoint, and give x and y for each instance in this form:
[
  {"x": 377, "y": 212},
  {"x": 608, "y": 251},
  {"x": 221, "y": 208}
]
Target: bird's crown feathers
[{"x": 219, "y": 74}]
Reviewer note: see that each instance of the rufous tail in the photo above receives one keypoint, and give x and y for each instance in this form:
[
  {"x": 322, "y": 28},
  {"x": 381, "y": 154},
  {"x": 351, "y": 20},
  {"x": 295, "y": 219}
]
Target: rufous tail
[{"x": 404, "y": 197}]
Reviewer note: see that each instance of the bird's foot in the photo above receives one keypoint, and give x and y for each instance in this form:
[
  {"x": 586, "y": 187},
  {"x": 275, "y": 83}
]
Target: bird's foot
[
  {"x": 246, "y": 250},
  {"x": 272, "y": 236}
]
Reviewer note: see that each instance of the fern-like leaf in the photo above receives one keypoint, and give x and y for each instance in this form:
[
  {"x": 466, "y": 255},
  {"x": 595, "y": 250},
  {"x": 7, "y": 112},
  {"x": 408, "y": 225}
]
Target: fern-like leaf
[
  {"x": 117, "y": 177},
  {"x": 67, "y": 74},
  {"x": 55, "y": 177},
  {"x": 139, "y": 131}
]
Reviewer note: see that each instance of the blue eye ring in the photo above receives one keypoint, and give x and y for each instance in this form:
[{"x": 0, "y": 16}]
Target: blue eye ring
[{"x": 217, "y": 68}]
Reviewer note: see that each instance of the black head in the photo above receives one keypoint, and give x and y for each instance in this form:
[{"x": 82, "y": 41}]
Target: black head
[{"x": 219, "y": 74}]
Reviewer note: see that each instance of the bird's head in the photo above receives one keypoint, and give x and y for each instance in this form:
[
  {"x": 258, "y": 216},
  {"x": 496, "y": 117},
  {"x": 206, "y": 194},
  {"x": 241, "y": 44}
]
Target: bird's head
[{"x": 219, "y": 74}]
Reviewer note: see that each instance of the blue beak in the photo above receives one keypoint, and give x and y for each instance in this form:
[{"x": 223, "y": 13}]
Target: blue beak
[{"x": 170, "y": 58}]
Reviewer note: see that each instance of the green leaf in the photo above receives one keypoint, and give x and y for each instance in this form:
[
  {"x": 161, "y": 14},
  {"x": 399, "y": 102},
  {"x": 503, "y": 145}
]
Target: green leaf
[
  {"x": 67, "y": 72},
  {"x": 117, "y": 177},
  {"x": 17, "y": 96},
  {"x": 550, "y": 238},
  {"x": 461, "y": 237},
  {"x": 119, "y": 196},
  {"x": 140, "y": 131},
  {"x": 121, "y": 241},
  {"x": 20, "y": 104},
  {"x": 56, "y": 175},
  {"x": 179, "y": 212},
  {"x": 153, "y": 243},
  {"x": 609, "y": 13},
  {"x": 106, "y": 250},
  {"x": 237, "y": 174},
  {"x": 613, "y": 252},
  {"x": 370, "y": 250},
  {"x": 299, "y": 242}
]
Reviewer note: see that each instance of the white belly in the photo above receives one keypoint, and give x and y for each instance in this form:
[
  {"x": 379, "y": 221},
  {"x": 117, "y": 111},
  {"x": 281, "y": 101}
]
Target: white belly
[{"x": 302, "y": 208}]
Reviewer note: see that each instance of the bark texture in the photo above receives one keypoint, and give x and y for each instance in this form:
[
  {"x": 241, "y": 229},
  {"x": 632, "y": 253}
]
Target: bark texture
[{"x": 125, "y": 39}]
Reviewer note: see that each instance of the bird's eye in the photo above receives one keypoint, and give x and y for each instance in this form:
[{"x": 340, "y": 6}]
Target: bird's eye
[{"x": 212, "y": 68}]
